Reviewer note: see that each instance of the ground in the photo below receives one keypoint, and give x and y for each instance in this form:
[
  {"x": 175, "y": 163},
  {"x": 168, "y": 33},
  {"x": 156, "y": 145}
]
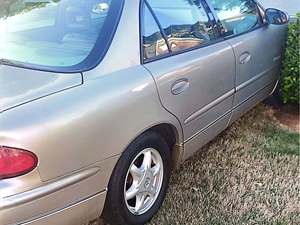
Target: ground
[
  {"x": 248, "y": 175},
  {"x": 288, "y": 117}
]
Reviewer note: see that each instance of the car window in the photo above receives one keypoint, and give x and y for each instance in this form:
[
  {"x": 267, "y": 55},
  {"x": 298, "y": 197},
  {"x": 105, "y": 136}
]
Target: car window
[
  {"x": 237, "y": 16},
  {"x": 185, "y": 23},
  {"x": 153, "y": 42},
  {"x": 54, "y": 33}
]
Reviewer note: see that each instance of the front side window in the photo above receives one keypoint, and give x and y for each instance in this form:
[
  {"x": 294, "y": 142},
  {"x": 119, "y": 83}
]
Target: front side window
[
  {"x": 185, "y": 23},
  {"x": 237, "y": 16},
  {"x": 54, "y": 33}
]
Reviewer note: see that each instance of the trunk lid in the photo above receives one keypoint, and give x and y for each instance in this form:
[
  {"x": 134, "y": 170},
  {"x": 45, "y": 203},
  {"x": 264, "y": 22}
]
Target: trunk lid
[{"x": 19, "y": 86}]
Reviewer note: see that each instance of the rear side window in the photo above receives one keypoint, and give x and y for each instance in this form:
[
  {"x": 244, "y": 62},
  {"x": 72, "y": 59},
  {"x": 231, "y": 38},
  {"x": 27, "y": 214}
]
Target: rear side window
[
  {"x": 185, "y": 23},
  {"x": 153, "y": 42},
  {"x": 237, "y": 16}
]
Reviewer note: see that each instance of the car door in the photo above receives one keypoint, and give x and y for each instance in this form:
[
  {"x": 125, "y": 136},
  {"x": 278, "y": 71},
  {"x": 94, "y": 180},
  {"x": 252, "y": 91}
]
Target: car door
[
  {"x": 193, "y": 68},
  {"x": 257, "y": 47}
]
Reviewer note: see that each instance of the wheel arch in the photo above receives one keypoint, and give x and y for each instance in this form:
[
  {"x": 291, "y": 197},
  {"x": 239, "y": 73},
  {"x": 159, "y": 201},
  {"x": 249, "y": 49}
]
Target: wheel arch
[{"x": 172, "y": 136}]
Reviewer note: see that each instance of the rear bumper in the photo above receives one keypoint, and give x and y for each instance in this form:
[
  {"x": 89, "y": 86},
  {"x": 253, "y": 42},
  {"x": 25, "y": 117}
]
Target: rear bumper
[
  {"x": 84, "y": 212},
  {"x": 73, "y": 200},
  {"x": 76, "y": 199}
]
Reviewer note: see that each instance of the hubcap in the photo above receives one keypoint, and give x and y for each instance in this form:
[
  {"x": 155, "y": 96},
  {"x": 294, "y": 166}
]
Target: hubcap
[{"x": 143, "y": 181}]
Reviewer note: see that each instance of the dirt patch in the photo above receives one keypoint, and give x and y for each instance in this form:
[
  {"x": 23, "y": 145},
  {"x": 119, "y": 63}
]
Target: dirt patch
[{"x": 288, "y": 116}]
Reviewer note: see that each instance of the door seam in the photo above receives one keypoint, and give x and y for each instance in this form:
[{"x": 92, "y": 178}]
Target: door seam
[
  {"x": 235, "y": 82},
  {"x": 160, "y": 101}
]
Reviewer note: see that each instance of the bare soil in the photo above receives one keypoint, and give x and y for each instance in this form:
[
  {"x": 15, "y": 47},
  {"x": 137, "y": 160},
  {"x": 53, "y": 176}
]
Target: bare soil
[{"x": 288, "y": 116}]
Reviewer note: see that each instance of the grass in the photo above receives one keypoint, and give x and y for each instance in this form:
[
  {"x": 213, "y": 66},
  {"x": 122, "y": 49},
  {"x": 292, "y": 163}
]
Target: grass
[
  {"x": 248, "y": 175},
  {"x": 281, "y": 141}
]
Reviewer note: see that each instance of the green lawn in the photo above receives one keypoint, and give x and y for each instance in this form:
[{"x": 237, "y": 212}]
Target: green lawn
[
  {"x": 248, "y": 175},
  {"x": 281, "y": 141}
]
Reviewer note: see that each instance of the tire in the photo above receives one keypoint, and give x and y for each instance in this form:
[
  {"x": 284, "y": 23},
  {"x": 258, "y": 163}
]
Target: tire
[{"x": 118, "y": 210}]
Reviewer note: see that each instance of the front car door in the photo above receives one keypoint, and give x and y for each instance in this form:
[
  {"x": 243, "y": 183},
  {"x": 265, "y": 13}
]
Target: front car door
[
  {"x": 193, "y": 68},
  {"x": 257, "y": 46}
]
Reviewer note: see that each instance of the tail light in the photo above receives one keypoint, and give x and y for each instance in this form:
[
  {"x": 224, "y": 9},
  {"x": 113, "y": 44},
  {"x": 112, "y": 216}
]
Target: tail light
[{"x": 16, "y": 162}]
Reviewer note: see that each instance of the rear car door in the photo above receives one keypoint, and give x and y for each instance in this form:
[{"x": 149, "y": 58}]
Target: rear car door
[
  {"x": 257, "y": 47},
  {"x": 193, "y": 68}
]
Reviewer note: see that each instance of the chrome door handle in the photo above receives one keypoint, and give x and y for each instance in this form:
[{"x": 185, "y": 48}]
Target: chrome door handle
[
  {"x": 180, "y": 86},
  {"x": 245, "y": 58}
]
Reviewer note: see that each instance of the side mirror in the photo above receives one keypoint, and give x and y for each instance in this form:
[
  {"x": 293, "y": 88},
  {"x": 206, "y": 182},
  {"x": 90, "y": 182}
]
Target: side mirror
[{"x": 276, "y": 16}]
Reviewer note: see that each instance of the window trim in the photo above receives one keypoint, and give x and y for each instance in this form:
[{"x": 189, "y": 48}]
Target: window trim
[
  {"x": 181, "y": 51},
  {"x": 142, "y": 6},
  {"x": 217, "y": 21},
  {"x": 95, "y": 57},
  {"x": 158, "y": 24},
  {"x": 263, "y": 24},
  {"x": 172, "y": 53}
]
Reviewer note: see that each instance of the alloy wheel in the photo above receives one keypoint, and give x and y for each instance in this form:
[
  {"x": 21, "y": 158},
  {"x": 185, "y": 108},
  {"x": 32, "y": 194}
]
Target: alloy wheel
[{"x": 143, "y": 181}]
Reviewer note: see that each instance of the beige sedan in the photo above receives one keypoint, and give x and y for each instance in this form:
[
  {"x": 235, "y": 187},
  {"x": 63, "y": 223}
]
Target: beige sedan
[{"x": 100, "y": 99}]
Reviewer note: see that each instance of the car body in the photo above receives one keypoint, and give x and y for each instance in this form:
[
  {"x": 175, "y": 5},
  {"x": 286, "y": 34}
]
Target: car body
[{"x": 79, "y": 120}]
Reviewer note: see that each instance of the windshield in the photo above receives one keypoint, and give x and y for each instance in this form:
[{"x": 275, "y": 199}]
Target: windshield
[{"x": 54, "y": 33}]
